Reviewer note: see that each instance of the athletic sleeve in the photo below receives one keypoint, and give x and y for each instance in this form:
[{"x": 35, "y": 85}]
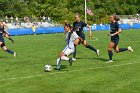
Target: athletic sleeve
[
  {"x": 84, "y": 24},
  {"x": 74, "y": 25},
  {"x": 75, "y": 35},
  {"x": 117, "y": 26}
]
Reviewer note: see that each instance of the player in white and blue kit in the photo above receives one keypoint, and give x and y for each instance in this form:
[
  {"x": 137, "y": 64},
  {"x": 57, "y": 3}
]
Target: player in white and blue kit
[{"x": 69, "y": 49}]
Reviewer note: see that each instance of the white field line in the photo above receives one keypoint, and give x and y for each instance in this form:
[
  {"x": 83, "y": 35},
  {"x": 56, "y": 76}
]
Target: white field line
[{"x": 59, "y": 72}]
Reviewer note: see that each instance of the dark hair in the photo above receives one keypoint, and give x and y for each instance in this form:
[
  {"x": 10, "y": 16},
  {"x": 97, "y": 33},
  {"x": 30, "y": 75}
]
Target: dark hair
[
  {"x": 68, "y": 25},
  {"x": 116, "y": 17}
]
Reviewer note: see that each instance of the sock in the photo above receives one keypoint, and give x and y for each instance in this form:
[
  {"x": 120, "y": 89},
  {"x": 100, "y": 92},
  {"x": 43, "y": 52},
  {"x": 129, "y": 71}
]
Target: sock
[
  {"x": 110, "y": 54},
  {"x": 92, "y": 48},
  {"x": 123, "y": 49},
  {"x": 58, "y": 63},
  {"x": 74, "y": 54},
  {"x": 64, "y": 58},
  {"x": 11, "y": 39},
  {"x": 9, "y": 51}
]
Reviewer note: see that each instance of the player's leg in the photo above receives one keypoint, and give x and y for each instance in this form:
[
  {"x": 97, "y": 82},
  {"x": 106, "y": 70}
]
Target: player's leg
[
  {"x": 76, "y": 42},
  {"x": 74, "y": 54},
  {"x": 90, "y": 47},
  {"x": 117, "y": 49},
  {"x": 110, "y": 53},
  {"x": 58, "y": 62},
  {"x": 7, "y": 36},
  {"x": 63, "y": 56},
  {"x": 3, "y": 46}
]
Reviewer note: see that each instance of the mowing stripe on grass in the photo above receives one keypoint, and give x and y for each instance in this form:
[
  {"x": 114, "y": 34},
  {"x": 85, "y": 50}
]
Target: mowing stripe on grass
[{"x": 68, "y": 71}]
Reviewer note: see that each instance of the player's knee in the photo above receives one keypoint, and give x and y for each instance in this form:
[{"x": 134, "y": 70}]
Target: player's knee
[
  {"x": 116, "y": 50},
  {"x": 109, "y": 49},
  {"x": 4, "y": 48},
  {"x": 85, "y": 44}
]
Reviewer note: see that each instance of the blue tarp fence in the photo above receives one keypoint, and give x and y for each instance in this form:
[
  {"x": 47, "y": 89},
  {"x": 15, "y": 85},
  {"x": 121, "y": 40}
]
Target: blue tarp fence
[{"x": 49, "y": 30}]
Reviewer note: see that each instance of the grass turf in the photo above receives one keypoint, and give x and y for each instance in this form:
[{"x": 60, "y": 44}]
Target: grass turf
[{"x": 89, "y": 74}]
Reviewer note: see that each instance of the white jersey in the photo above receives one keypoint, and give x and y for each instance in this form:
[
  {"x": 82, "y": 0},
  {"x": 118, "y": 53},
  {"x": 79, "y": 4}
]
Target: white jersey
[{"x": 72, "y": 39}]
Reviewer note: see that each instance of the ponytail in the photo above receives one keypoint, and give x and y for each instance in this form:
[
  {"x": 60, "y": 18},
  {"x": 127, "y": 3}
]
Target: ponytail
[{"x": 116, "y": 17}]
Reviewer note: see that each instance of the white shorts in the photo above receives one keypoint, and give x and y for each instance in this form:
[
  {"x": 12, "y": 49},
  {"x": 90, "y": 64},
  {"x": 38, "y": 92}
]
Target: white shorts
[{"x": 68, "y": 51}]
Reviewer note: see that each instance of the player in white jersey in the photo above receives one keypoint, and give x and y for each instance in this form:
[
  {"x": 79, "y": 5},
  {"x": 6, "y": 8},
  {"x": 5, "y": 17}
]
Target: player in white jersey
[{"x": 69, "y": 49}]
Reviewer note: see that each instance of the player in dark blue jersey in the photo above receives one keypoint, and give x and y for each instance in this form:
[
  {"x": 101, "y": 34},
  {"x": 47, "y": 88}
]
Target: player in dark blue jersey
[
  {"x": 114, "y": 33},
  {"x": 78, "y": 27},
  {"x": 3, "y": 33},
  {"x": 6, "y": 34}
]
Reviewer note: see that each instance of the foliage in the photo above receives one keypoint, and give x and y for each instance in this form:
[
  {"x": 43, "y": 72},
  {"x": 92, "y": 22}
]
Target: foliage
[{"x": 60, "y": 10}]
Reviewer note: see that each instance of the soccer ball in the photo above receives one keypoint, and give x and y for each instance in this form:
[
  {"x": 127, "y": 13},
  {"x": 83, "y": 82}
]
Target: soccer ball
[{"x": 47, "y": 68}]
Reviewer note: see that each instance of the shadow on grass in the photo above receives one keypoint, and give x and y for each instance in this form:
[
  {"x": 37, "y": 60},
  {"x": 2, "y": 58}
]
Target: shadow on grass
[
  {"x": 78, "y": 92},
  {"x": 62, "y": 67},
  {"x": 101, "y": 59}
]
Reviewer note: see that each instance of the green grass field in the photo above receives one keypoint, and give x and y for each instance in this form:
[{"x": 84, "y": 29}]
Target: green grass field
[{"x": 89, "y": 74}]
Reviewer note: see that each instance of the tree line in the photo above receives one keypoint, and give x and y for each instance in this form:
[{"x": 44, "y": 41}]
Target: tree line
[{"x": 60, "y": 10}]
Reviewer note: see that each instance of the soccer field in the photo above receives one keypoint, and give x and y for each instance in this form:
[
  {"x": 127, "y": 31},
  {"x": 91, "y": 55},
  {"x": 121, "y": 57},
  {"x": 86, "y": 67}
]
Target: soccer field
[{"x": 89, "y": 74}]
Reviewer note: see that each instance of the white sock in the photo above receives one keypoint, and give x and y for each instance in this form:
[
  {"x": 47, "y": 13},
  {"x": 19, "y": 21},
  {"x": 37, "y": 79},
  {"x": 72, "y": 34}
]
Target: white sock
[
  {"x": 64, "y": 58},
  {"x": 58, "y": 63}
]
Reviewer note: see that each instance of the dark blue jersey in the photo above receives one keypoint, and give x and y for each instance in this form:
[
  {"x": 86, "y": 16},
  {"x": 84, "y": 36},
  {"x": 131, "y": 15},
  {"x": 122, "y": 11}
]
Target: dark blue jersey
[
  {"x": 1, "y": 32},
  {"x": 78, "y": 27},
  {"x": 114, "y": 28}
]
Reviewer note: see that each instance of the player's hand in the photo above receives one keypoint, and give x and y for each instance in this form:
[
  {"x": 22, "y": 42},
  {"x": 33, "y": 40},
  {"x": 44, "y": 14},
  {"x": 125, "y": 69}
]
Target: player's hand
[{"x": 110, "y": 34}]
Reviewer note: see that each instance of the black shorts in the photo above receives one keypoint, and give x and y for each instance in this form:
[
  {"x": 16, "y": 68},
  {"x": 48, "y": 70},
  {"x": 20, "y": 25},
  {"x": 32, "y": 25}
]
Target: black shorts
[
  {"x": 115, "y": 40},
  {"x": 82, "y": 35},
  {"x": 1, "y": 39}
]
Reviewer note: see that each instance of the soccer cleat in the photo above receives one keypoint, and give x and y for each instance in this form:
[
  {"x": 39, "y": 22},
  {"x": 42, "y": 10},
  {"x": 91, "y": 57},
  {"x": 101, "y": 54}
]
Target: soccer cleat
[
  {"x": 130, "y": 49},
  {"x": 57, "y": 69},
  {"x": 15, "y": 54},
  {"x": 97, "y": 52},
  {"x": 74, "y": 59},
  {"x": 70, "y": 61},
  {"x": 110, "y": 61}
]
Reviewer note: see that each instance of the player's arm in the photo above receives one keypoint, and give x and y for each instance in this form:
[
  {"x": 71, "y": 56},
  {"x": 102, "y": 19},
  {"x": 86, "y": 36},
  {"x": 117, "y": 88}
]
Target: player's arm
[
  {"x": 86, "y": 25},
  {"x": 118, "y": 31},
  {"x": 6, "y": 34},
  {"x": 77, "y": 37},
  {"x": 90, "y": 34}
]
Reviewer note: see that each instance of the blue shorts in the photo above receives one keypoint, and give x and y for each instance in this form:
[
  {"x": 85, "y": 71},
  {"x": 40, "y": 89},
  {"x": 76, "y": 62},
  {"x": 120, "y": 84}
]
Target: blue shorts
[
  {"x": 115, "y": 40},
  {"x": 82, "y": 35},
  {"x": 1, "y": 39}
]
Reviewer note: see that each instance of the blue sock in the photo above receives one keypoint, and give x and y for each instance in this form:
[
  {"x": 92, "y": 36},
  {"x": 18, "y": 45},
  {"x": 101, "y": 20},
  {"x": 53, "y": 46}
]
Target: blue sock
[
  {"x": 92, "y": 48},
  {"x": 123, "y": 49},
  {"x": 110, "y": 54},
  {"x": 74, "y": 54},
  {"x": 9, "y": 51}
]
